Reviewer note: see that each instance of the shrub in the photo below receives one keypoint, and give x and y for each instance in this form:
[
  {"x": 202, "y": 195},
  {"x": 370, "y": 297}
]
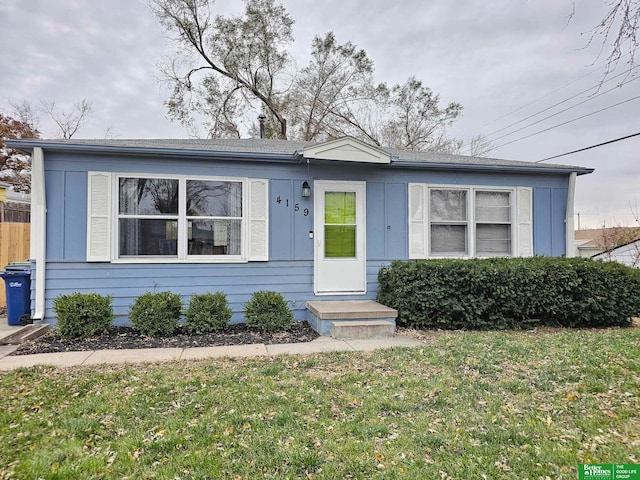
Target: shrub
[
  {"x": 83, "y": 314},
  {"x": 510, "y": 292},
  {"x": 156, "y": 313},
  {"x": 268, "y": 311},
  {"x": 208, "y": 312}
]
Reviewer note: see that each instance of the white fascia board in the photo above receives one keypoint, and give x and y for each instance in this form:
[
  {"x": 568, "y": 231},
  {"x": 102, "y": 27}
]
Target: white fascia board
[{"x": 347, "y": 149}]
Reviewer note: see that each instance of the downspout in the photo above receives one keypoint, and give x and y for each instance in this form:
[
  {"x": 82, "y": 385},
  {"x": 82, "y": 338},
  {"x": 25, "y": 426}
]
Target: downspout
[
  {"x": 38, "y": 225},
  {"x": 570, "y": 234}
]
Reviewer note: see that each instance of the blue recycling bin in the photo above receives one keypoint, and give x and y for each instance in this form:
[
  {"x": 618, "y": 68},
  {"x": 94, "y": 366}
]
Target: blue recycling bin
[{"x": 18, "y": 288}]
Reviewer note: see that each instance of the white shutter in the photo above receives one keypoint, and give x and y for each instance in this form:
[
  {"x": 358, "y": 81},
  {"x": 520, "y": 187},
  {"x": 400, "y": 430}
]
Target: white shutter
[
  {"x": 417, "y": 221},
  {"x": 258, "y": 220},
  {"x": 525, "y": 222},
  {"x": 99, "y": 217}
]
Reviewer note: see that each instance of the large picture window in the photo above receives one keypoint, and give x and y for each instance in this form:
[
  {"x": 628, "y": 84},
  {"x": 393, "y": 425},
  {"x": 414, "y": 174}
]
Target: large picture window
[
  {"x": 468, "y": 221},
  {"x": 180, "y": 217}
]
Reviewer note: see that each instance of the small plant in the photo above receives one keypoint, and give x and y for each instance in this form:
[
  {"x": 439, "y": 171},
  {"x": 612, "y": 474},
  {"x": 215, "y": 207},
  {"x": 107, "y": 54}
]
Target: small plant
[
  {"x": 83, "y": 314},
  {"x": 208, "y": 312},
  {"x": 268, "y": 311},
  {"x": 156, "y": 313}
]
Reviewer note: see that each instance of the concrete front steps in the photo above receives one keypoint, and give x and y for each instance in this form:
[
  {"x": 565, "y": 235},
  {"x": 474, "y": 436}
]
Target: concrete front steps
[
  {"x": 352, "y": 319},
  {"x": 22, "y": 334}
]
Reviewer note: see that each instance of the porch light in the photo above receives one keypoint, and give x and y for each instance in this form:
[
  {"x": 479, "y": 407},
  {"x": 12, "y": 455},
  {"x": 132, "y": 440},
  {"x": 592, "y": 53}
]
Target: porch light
[{"x": 306, "y": 189}]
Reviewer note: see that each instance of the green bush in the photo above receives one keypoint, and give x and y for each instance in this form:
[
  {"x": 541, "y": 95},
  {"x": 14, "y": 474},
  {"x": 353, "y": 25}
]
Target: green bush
[
  {"x": 83, "y": 314},
  {"x": 208, "y": 312},
  {"x": 510, "y": 293},
  {"x": 156, "y": 313},
  {"x": 268, "y": 311}
]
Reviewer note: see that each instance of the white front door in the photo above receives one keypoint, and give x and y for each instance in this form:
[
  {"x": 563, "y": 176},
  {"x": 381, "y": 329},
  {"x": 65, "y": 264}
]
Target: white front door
[{"x": 339, "y": 224}]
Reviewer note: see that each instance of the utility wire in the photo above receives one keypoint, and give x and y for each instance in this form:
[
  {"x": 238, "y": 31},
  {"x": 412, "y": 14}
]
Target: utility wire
[
  {"x": 590, "y": 147},
  {"x": 534, "y": 101},
  {"x": 604, "y": 62},
  {"x": 568, "y": 121},
  {"x": 588, "y": 99},
  {"x": 565, "y": 101}
]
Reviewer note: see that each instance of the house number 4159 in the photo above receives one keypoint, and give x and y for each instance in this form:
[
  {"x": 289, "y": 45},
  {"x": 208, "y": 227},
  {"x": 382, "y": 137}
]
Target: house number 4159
[{"x": 296, "y": 207}]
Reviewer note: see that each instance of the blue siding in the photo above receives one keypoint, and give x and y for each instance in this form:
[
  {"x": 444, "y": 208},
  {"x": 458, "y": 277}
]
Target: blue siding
[
  {"x": 294, "y": 279},
  {"x": 397, "y": 221},
  {"x": 376, "y": 220},
  {"x": 290, "y": 269},
  {"x": 281, "y": 241},
  {"x": 549, "y": 210},
  {"x": 558, "y": 229}
]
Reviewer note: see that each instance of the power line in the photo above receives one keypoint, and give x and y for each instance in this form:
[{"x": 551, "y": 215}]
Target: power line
[
  {"x": 604, "y": 62},
  {"x": 536, "y": 100},
  {"x": 590, "y": 147},
  {"x": 560, "y": 103},
  {"x": 558, "y": 113},
  {"x": 568, "y": 121}
]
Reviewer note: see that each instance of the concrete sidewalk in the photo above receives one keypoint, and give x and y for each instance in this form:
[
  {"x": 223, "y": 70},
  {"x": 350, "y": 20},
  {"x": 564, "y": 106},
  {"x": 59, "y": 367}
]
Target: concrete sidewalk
[{"x": 96, "y": 357}]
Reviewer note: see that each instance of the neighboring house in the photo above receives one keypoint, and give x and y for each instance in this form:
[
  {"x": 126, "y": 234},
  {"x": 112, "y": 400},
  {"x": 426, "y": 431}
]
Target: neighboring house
[
  {"x": 593, "y": 241},
  {"x": 14, "y": 206},
  {"x": 122, "y": 217},
  {"x": 628, "y": 254}
]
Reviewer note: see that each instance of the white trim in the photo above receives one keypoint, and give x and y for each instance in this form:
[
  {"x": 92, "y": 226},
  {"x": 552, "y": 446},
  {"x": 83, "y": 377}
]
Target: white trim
[
  {"x": 360, "y": 188},
  {"x": 347, "y": 149},
  {"x": 99, "y": 212},
  {"x": 570, "y": 233},
  {"x": 193, "y": 259},
  {"x": 524, "y": 220},
  {"x": 257, "y": 220},
  {"x": 38, "y": 229},
  {"x": 415, "y": 253},
  {"x": 182, "y": 247}
]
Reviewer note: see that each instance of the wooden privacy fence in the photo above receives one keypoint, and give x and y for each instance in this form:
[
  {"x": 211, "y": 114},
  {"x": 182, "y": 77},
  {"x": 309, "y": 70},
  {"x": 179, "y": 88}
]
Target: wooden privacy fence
[{"x": 14, "y": 247}]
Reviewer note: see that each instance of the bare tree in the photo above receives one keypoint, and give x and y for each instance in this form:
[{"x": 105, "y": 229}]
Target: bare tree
[
  {"x": 15, "y": 167},
  {"x": 233, "y": 61},
  {"x": 618, "y": 32},
  {"x": 26, "y": 114},
  {"x": 226, "y": 67},
  {"x": 414, "y": 119},
  {"x": 68, "y": 122},
  {"x": 330, "y": 92}
]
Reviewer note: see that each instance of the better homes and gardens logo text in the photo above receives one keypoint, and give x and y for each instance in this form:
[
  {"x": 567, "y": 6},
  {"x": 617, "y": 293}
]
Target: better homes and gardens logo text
[{"x": 605, "y": 471}]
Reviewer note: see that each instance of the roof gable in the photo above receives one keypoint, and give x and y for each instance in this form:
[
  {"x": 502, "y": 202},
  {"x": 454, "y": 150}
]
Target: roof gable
[{"x": 347, "y": 149}]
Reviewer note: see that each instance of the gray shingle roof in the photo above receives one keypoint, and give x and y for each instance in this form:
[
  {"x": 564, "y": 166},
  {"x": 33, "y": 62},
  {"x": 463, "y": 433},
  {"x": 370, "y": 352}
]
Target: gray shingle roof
[{"x": 285, "y": 148}]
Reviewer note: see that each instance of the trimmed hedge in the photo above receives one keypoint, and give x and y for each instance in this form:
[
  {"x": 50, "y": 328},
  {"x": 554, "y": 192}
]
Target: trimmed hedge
[
  {"x": 83, "y": 314},
  {"x": 156, "y": 313},
  {"x": 208, "y": 312},
  {"x": 500, "y": 293},
  {"x": 268, "y": 312}
]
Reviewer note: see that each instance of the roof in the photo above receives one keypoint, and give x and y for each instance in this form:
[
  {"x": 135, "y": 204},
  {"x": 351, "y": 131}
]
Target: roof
[
  {"x": 606, "y": 238},
  {"x": 282, "y": 150}
]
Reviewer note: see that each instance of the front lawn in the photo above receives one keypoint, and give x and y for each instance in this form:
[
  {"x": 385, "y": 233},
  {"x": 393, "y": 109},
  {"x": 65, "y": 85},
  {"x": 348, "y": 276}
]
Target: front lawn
[{"x": 528, "y": 405}]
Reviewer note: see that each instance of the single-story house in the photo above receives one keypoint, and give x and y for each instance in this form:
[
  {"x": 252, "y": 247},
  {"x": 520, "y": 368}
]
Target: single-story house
[
  {"x": 627, "y": 254},
  {"x": 314, "y": 221},
  {"x": 14, "y": 206},
  {"x": 593, "y": 241}
]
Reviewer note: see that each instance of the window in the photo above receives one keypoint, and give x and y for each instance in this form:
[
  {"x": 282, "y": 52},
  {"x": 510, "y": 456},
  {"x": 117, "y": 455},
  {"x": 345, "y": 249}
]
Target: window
[
  {"x": 179, "y": 217},
  {"x": 155, "y": 218},
  {"x": 493, "y": 223},
  {"x": 340, "y": 224},
  {"x": 469, "y": 221},
  {"x": 449, "y": 224}
]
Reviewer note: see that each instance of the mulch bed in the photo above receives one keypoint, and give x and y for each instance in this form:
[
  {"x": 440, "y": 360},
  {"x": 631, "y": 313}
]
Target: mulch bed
[{"x": 119, "y": 338}]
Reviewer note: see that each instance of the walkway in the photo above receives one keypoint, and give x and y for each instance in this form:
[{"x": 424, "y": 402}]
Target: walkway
[{"x": 96, "y": 357}]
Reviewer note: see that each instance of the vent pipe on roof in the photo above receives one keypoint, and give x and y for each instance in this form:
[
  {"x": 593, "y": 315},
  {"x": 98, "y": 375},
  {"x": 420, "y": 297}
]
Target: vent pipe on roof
[{"x": 261, "y": 118}]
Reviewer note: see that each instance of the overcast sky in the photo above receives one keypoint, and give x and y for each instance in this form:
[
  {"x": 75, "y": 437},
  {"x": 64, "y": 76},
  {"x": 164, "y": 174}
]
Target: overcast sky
[{"x": 495, "y": 58}]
